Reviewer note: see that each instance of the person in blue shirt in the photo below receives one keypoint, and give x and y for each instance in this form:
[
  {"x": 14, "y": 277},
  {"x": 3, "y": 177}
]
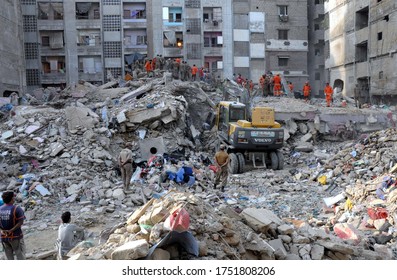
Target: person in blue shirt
[{"x": 11, "y": 221}]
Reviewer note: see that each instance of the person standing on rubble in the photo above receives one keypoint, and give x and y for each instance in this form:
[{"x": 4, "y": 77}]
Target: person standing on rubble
[
  {"x": 194, "y": 72},
  {"x": 328, "y": 91},
  {"x": 125, "y": 164},
  {"x": 69, "y": 235},
  {"x": 306, "y": 91},
  {"x": 11, "y": 221},
  {"x": 357, "y": 96},
  {"x": 277, "y": 85},
  {"x": 222, "y": 161}
]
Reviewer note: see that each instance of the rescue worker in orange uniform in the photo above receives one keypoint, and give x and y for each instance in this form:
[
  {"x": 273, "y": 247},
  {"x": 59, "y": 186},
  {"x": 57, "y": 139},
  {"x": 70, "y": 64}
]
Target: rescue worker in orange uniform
[
  {"x": 328, "y": 91},
  {"x": 306, "y": 91},
  {"x": 148, "y": 67},
  {"x": 194, "y": 72},
  {"x": 277, "y": 85}
]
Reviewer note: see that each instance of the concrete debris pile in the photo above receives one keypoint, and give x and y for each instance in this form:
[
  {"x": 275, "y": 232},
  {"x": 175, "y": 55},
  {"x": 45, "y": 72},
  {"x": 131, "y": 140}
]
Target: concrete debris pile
[
  {"x": 158, "y": 231},
  {"x": 72, "y": 151},
  {"x": 362, "y": 183}
]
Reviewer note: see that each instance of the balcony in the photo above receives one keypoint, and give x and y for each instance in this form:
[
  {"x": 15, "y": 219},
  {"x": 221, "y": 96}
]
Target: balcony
[
  {"x": 50, "y": 25},
  {"x": 212, "y": 25},
  {"x": 318, "y": 36},
  {"x": 134, "y": 23},
  {"x": 129, "y": 49},
  {"x": 362, "y": 69},
  {"x": 88, "y": 24},
  {"x": 362, "y": 35},
  {"x": 89, "y": 50},
  {"x": 213, "y": 51},
  {"x": 173, "y": 52},
  {"x": 319, "y": 11},
  {"x": 90, "y": 77},
  {"x": 53, "y": 78},
  {"x": 47, "y": 51}
]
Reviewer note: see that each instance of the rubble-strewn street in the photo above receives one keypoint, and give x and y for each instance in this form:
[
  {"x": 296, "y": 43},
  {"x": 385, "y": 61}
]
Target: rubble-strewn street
[{"x": 334, "y": 199}]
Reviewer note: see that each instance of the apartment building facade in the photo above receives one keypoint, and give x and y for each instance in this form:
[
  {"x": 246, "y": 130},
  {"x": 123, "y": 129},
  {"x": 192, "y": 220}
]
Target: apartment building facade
[
  {"x": 316, "y": 59},
  {"x": 197, "y": 31},
  {"x": 72, "y": 40},
  {"x": 271, "y": 36},
  {"x": 12, "y": 62},
  {"x": 361, "y": 48}
]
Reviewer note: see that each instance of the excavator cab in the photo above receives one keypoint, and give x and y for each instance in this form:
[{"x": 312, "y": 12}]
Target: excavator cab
[{"x": 259, "y": 138}]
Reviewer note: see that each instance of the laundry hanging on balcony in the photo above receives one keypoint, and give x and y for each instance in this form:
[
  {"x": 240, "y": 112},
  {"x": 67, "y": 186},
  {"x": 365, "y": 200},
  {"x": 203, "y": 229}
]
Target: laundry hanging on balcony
[
  {"x": 170, "y": 35},
  {"x": 83, "y": 8},
  {"x": 44, "y": 8},
  {"x": 58, "y": 7},
  {"x": 56, "y": 40}
]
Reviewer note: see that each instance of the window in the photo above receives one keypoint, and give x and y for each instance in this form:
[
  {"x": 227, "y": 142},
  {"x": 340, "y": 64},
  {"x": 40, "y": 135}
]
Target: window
[
  {"x": 45, "y": 41},
  {"x": 96, "y": 14},
  {"x": 173, "y": 39},
  {"x": 317, "y": 76},
  {"x": 316, "y": 52},
  {"x": 141, "y": 40},
  {"x": 283, "y": 61},
  {"x": 283, "y": 34},
  {"x": 379, "y": 36},
  {"x": 172, "y": 14},
  {"x": 381, "y": 75},
  {"x": 283, "y": 10},
  {"x": 213, "y": 39}
]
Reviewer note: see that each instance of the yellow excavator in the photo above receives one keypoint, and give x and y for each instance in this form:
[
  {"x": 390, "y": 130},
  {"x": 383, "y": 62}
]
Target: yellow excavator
[{"x": 259, "y": 138}]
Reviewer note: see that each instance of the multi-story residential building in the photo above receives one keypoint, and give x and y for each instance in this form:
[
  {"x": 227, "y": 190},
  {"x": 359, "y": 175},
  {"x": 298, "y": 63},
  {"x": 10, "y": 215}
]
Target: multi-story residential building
[
  {"x": 74, "y": 40},
  {"x": 361, "y": 44},
  {"x": 271, "y": 36},
  {"x": 315, "y": 60},
  {"x": 12, "y": 64},
  {"x": 85, "y": 40},
  {"x": 198, "y": 31}
]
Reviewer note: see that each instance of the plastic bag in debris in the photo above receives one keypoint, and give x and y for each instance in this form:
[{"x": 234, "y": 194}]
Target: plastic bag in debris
[
  {"x": 377, "y": 213},
  {"x": 137, "y": 175},
  {"x": 179, "y": 221},
  {"x": 322, "y": 179}
]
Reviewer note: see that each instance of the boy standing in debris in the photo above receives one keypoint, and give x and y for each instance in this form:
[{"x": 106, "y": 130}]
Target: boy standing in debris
[
  {"x": 69, "y": 235},
  {"x": 125, "y": 164},
  {"x": 11, "y": 220},
  {"x": 222, "y": 162}
]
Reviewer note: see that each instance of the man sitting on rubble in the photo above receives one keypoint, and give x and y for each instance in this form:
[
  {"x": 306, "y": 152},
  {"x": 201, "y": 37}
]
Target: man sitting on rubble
[
  {"x": 125, "y": 164},
  {"x": 69, "y": 235}
]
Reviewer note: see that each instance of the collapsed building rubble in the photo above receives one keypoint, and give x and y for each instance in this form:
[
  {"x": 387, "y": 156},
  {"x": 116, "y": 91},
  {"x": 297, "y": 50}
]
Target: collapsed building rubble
[{"x": 62, "y": 149}]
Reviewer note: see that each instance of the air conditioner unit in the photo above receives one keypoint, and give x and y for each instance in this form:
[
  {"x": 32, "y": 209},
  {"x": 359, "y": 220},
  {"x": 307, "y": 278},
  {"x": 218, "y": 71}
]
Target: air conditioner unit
[
  {"x": 283, "y": 18},
  {"x": 206, "y": 20}
]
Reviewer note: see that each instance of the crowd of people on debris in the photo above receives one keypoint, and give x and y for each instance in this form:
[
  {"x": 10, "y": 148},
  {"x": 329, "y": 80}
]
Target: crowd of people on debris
[
  {"x": 269, "y": 84},
  {"x": 179, "y": 68}
]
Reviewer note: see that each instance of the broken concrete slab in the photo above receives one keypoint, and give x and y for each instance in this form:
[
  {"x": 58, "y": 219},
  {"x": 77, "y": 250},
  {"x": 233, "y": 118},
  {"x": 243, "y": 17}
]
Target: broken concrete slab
[
  {"x": 151, "y": 146},
  {"x": 131, "y": 250},
  {"x": 260, "y": 219},
  {"x": 135, "y": 93},
  {"x": 80, "y": 117}
]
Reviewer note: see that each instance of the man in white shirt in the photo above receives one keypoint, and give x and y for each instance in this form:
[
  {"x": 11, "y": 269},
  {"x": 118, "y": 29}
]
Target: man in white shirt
[{"x": 69, "y": 235}]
